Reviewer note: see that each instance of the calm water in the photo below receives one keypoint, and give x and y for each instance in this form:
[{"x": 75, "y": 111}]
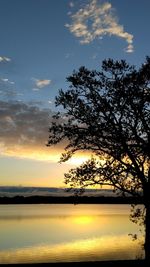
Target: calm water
[{"x": 66, "y": 232}]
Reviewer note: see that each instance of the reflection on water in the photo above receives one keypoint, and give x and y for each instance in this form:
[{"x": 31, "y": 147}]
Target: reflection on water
[{"x": 65, "y": 232}]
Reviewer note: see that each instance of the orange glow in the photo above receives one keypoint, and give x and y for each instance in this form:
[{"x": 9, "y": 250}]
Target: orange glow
[
  {"x": 43, "y": 154},
  {"x": 35, "y": 153}
]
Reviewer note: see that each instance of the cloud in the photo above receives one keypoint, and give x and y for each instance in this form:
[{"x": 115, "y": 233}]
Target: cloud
[
  {"x": 24, "y": 132},
  {"x": 35, "y": 89},
  {"x": 7, "y": 89},
  {"x": 6, "y": 80},
  {"x": 8, "y": 93},
  {"x": 5, "y": 59},
  {"x": 69, "y": 55},
  {"x": 129, "y": 48},
  {"x": 94, "y": 56},
  {"x": 30, "y": 123},
  {"x": 96, "y": 20},
  {"x": 71, "y": 4},
  {"x": 40, "y": 83}
]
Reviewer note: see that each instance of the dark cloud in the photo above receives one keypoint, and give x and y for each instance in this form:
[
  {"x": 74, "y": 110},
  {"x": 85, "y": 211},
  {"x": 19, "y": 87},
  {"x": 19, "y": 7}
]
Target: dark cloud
[
  {"x": 24, "y": 131},
  {"x": 23, "y": 124}
]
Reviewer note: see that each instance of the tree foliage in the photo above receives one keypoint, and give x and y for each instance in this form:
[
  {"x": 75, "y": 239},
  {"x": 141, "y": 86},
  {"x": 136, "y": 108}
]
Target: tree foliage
[{"x": 107, "y": 113}]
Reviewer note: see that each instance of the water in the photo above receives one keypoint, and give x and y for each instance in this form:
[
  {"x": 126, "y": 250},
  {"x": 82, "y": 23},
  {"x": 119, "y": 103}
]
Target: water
[{"x": 66, "y": 232}]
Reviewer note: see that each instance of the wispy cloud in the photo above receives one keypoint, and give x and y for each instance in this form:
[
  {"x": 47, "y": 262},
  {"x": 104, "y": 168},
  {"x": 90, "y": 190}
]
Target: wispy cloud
[
  {"x": 35, "y": 89},
  {"x": 40, "y": 83},
  {"x": 7, "y": 89},
  {"x": 94, "y": 56},
  {"x": 6, "y": 80},
  {"x": 129, "y": 48},
  {"x": 69, "y": 55},
  {"x": 71, "y": 4},
  {"x": 96, "y": 20},
  {"x": 5, "y": 59}
]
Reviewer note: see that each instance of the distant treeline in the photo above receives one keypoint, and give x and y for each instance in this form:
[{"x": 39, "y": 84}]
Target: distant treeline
[{"x": 69, "y": 200}]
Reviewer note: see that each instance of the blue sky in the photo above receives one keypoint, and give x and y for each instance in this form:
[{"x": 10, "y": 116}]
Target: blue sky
[{"x": 42, "y": 42}]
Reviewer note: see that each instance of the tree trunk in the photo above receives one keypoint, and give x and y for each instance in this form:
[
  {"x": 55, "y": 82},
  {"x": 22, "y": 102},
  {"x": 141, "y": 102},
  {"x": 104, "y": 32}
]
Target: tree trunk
[
  {"x": 147, "y": 219},
  {"x": 147, "y": 234}
]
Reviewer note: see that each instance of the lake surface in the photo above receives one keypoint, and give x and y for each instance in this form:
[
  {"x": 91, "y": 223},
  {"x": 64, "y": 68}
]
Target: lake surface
[{"x": 66, "y": 232}]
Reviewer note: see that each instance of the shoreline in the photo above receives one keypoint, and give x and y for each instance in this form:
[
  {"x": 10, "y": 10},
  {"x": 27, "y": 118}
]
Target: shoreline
[
  {"x": 68, "y": 200},
  {"x": 118, "y": 263}
]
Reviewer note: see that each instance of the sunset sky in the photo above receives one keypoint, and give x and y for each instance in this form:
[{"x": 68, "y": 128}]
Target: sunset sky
[{"x": 41, "y": 43}]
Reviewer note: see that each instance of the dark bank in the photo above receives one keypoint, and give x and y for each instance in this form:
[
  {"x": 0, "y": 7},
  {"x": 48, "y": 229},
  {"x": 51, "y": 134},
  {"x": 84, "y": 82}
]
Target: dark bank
[{"x": 70, "y": 200}]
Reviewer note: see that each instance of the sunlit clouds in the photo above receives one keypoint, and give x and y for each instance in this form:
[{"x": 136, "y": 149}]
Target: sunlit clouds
[
  {"x": 95, "y": 20},
  {"x": 43, "y": 43},
  {"x": 40, "y": 83},
  {"x": 24, "y": 133},
  {"x": 24, "y": 129}
]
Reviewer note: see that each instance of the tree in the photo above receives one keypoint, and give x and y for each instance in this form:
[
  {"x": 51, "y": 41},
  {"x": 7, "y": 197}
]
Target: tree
[{"x": 107, "y": 112}]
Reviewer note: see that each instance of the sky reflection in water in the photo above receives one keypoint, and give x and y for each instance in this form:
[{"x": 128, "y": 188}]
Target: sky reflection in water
[{"x": 50, "y": 233}]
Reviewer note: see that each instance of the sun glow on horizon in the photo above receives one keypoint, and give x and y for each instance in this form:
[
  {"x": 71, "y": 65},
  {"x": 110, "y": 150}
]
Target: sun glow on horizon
[
  {"x": 43, "y": 154},
  {"x": 35, "y": 166},
  {"x": 78, "y": 160}
]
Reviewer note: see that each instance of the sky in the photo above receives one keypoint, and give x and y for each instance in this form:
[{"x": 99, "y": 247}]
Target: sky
[{"x": 42, "y": 42}]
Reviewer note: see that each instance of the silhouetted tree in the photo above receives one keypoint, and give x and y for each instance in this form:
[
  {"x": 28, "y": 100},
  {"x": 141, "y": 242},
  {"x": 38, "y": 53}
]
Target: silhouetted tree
[{"x": 107, "y": 113}]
